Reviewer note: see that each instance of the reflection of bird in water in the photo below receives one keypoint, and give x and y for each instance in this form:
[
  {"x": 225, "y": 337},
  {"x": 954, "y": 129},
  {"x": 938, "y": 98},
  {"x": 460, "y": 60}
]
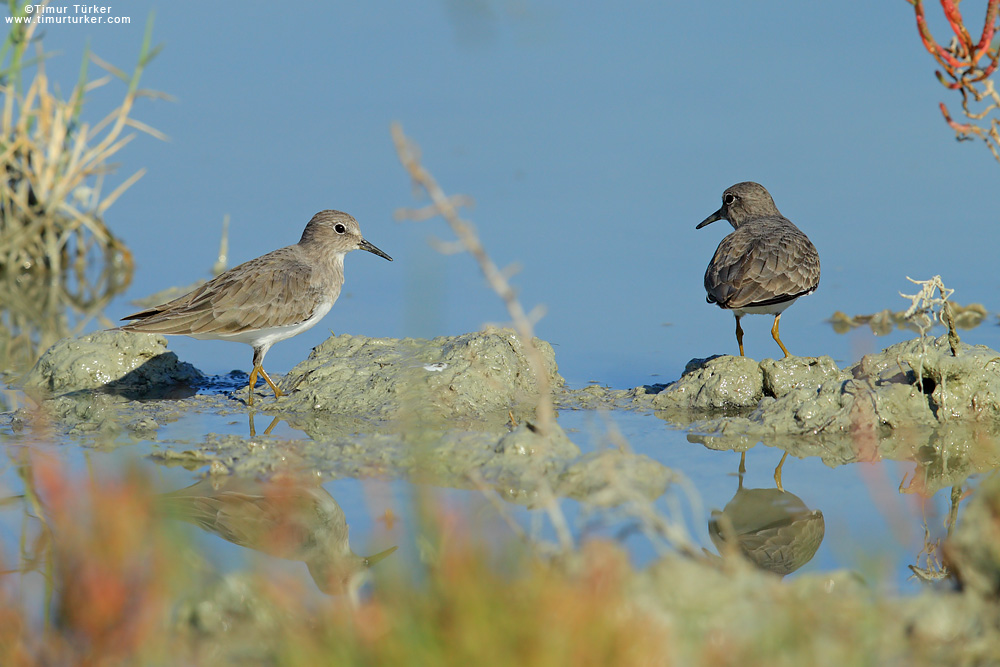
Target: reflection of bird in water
[
  {"x": 771, "y": 527},
  {"x": 287, "y": 518}
]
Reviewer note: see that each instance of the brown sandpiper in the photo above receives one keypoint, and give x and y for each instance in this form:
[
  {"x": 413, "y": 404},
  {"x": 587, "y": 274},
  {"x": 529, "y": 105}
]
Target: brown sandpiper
[
  {"x": 764, "y": 265},
  {"x": 267, "y": 299}
]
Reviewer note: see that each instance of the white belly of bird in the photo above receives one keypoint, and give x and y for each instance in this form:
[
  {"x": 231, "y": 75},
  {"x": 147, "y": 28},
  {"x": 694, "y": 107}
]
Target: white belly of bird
[
  {"x": 271, "y": 335},
  {"x": 772, "y": 309}
]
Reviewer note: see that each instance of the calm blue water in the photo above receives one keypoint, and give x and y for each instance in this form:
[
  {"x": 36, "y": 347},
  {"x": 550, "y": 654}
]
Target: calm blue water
[
  {"x": 593, "y": 137},
  {"x": 870, "y": 526}
]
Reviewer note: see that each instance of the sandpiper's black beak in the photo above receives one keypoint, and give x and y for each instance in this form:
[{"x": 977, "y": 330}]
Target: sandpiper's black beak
[
  {"x": 365, "y": 245},
  {"x": 718, "y": 215}
]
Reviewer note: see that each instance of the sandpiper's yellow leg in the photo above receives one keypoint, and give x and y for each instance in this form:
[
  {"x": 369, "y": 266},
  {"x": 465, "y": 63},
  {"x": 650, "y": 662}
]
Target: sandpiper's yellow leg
[
  {"x": 774, "y": 335},
  {"x": 270, "y": 427},
  {"x": 739, "y": 335},
  {"x": 253, "y": 381},
  {"x": 267, "y": 378},
  {"x": 777, "y": 472}
]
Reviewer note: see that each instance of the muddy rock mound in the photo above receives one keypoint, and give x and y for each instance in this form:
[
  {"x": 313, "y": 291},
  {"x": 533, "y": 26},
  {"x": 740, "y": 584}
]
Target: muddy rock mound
[
  {"x": 115, "y": 361},
  {"x": 923, "y": 379},
  {"x": 716, "y": 383},
  {"x": 782, "y": 376},
  {"x": 913, "y": 383},
  {"x": 472, "y": 375},
  {"x": 918, "y": 383},
  {"x": 722, "y": 383},
  {"x": 734, "y": 383}
]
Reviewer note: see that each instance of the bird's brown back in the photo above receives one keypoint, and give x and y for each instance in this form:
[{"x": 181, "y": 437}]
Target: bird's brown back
[
  {"x": 276, "y": 289},
  {"x": 765, "y": 261}
]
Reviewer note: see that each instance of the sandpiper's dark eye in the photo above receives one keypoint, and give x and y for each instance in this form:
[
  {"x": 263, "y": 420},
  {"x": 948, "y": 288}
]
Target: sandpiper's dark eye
[
  {"x": 728, "y": 199},
  {"x": 340, "y": 228}
]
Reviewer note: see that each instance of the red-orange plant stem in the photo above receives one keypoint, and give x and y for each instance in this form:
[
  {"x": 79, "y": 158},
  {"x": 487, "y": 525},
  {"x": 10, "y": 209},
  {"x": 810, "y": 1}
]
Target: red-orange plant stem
[
  {"x": 946, "y": 60},
  {"x": 988, "y": 29},
  {"x": 964, "y": 128},
  {"x": 957, "y": 25}
]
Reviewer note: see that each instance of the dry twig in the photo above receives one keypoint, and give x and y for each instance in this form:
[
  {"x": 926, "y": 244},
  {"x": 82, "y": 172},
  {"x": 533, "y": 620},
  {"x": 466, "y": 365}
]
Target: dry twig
[
  {"x": 925, "y": 308},
  {"x": 447, "y": 208}
]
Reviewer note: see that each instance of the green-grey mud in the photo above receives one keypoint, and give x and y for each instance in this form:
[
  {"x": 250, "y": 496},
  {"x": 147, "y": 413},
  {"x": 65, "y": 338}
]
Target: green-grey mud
[
  {"x": 435, "y": 410},
  {"x": 459, "y": 412},
  {"x": 913, "y": 401},
  {"x": 447, "y": 408}
]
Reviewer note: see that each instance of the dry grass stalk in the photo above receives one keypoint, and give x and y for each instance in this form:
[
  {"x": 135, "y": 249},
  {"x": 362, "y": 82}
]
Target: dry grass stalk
[
  {"x": 51, "y": 201},
  {"x": 498, "y": 279},
  {"x": 925, "y": 308},
  {"x": 665, "y": 530},
  {"x": 633, "y": 504}
]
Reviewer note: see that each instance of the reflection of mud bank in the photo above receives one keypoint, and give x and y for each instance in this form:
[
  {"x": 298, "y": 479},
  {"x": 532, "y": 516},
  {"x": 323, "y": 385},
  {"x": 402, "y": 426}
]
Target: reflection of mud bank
[
  {"x": 448, "y": 401},
  {"x": 913, "y": 401},
  {"x": 432, "y": 410},
  {"x": 520, "y": 466}
]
